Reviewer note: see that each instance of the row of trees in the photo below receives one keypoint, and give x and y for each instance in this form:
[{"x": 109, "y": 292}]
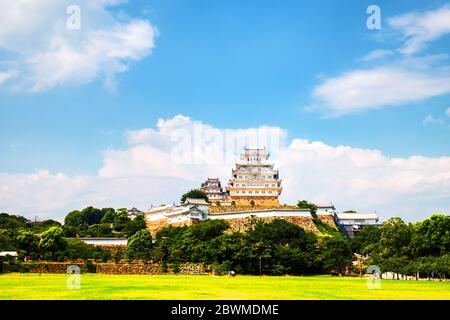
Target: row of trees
[
  {"x": 414, "y": 249},
  {"x": 53, "y": 245},
  {"x": 106, "y": 222},
  {"x": 277, "y": 247}
]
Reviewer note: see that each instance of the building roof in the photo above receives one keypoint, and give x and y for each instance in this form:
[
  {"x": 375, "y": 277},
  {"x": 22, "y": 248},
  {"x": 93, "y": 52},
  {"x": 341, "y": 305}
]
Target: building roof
[
  {"x": 178, "y": 210},
  {"x": 134, "y": 210},
  {"x": 325, "y": 205},
  {"x": 358, "y": 216},
  {"x": 159, "y": 208},
  {"x": 196, "y": 202}
]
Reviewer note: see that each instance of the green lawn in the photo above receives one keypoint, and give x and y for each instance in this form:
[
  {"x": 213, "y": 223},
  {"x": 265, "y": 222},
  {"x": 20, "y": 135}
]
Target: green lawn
[{"x": 100, "y": 286}]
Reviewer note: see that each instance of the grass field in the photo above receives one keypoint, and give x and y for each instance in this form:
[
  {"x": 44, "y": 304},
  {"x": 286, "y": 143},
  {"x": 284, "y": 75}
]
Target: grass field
[{"x": 99, "y": 286}]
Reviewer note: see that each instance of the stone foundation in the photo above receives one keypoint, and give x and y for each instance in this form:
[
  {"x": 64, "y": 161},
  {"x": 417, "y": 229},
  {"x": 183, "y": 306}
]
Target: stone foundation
[
  {"x": 259, "y": 201},
  {"x": 154, "y": 226},
  {"x": 328, "y": 219},
  {"x": 242, "y": 225},
  {"x": 240, "y": 208}
]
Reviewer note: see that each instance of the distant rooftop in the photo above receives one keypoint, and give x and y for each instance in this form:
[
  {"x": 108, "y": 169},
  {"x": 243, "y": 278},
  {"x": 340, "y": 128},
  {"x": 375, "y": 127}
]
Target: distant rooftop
[{"x": 196, "y": 201}]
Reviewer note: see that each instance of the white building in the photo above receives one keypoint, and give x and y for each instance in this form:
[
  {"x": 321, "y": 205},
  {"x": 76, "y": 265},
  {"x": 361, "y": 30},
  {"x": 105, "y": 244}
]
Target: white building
[
  {"x": 191, "y": 209},
  {"x": 326, "y": 208},
  {"x": 133, "y": 213},
  {"x": 351, "y": 223},
  {"x": 255, "y": 179},
  {"x": 108, "y": 242}
]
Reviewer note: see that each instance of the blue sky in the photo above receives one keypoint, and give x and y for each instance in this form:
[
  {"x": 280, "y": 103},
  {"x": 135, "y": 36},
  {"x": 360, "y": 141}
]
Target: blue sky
[{"x": 229, "y": 64}]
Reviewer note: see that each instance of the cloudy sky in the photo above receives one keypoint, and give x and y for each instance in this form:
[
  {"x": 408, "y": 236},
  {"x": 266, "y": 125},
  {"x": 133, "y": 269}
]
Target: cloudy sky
[{"x": 145, "y": 99}]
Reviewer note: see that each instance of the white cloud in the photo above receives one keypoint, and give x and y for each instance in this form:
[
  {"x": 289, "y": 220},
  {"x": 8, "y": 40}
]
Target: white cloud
[
  {"x": 377, "y": 87},
  {"x": 4, "y": 76},
  {"x": 49, "y": 54},
  {"x": 420, "y": 28},
  {"x": 447, "y": 112},
  {"x": 429, "y": 119},
  {"x": 376, "y": 54},
  {"x": 365, "y": 179},
  {"x": 148, "y": 172},
  {"x": 402, "y": 80}
]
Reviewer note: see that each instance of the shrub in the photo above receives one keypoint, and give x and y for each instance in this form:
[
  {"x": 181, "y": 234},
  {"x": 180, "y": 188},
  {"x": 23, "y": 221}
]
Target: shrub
[
  {"x": 89, "y": 267},
  {"x": 164, "y": 267}
]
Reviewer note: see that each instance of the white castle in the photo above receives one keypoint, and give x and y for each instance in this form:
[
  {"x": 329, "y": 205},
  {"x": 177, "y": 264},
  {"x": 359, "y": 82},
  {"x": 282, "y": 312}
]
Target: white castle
[{"x": 252, "y": 191}]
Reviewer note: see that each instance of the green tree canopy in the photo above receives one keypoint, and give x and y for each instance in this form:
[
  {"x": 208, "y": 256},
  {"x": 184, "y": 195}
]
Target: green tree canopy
[
  {"x": 367, "y": 239},
  {"x": 303, "y": 204},
  {"x": 134, "y": 225},
  {"x": 91, "y": 215},
  {"x": 432, "y": 236},
  {"x": 8, "y": 221},
  {"x": 140, "y": 245},
  {"x": 53, "y": 240},
  {"x": 108, "y": 215},
  {"x": 195, "y": 194},
  {"x": 395, "y": 238},
  {"x": 335, "y": 253},
  {"x": 73, "y": 218},
  {"x": 27, "y": 241}
]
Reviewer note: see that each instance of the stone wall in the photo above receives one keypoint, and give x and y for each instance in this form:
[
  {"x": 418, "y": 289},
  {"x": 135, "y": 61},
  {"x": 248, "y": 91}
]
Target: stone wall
[
  {"x": 149, "y": 268},
  {"x": 154, "y": 226},
  {"x": 303, "y": 222},
  {"x": 113, "y": 268},
  {"x": 238, "y": 208},
  {"x": 328, "y": 219},
  {"x": 259, "y": 201}
]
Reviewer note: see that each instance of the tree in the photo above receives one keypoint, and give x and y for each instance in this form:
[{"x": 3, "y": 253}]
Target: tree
[
  {"x": 41, "y": 226},
  {"x": 77, "y": 249},
  {"x": 71, "y": 231},
  {"x": 395, "y": 238},
  {"x": 7, "y": 240},
  {"x": 27, "y": 241},
  {"x": 195, "y": 194},
  {"x": 91, "y": 215},
  {"x": 303, "y": 204},
  {"x": 335, "y": 253},
  {"x": 135, "y": 225},
  {"x": 367, "y": 239},
  {"x": 432, "y": 236},
  {"x": 12, "y": 222},
  {"x": 108, "y": 215},
  {"x": 140, "y": 245},
  {"x": 73, "y": 218},
  {"x": 121, "y": 219},
  {"x": 99, "y": 230},
  {"x": 52, "y": 241}
]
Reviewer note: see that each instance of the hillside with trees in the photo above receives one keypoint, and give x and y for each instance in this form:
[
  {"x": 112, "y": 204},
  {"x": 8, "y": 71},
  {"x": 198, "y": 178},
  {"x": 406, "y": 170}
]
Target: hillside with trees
[{"x": 272, "y": 248}]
